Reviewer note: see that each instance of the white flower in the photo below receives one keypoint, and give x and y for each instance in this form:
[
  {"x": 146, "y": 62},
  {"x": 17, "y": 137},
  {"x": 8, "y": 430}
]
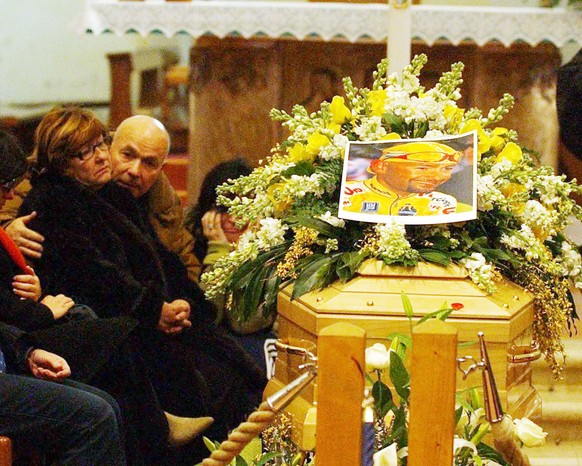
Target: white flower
[
  {"x": 377, "y": 357},
  {"x": 332, "y": 220},
  {"x": 459, "y": 443},
  {"x": 271, "y": 233},
  {"x": 529, "y": 432},
  {"x": 387, "y": 456}
]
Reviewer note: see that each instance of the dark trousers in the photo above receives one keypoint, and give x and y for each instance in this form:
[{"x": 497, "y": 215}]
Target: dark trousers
[
  {"x": 126, "y": 378},
  {"x": 73, "y": 423}
]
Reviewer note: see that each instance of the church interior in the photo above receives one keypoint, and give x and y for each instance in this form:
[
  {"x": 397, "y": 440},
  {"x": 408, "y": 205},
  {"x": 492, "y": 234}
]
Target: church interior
[{"x": 212, "y": 71}]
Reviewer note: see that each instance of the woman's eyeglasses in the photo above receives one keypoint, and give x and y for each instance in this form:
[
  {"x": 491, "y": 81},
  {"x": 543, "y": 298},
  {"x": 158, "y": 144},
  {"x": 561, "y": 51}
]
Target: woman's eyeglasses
[{"x": 89, "y": 151}]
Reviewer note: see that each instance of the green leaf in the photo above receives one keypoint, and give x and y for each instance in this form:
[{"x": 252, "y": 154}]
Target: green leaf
[
  {"x": 382, "y": 398},
  {"x": 209, "y": 444},
  {"x": 406, "y": 304},
  {"x": 318, "y": 225},
  {"x": 252, "y": 293},
  {"x": 240, "y": 461},
  {"x": 348, "y": 264},
  {"x": 437, "y": 257},
  {"x": 399, "y": 376},
  {"x": 268, "y": 457},
  {"x": 458, "y": 414},
  {"x": 485, "y": 451},
  {"x": 316, "y": 275},
  {"x": 395, "y": 123},
  {"x": 406, "y": 340},
  {"x": 303, "y": 168}
]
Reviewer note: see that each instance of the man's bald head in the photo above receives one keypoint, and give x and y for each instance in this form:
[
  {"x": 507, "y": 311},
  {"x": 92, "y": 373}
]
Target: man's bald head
[{"x": 139, "y": 149}]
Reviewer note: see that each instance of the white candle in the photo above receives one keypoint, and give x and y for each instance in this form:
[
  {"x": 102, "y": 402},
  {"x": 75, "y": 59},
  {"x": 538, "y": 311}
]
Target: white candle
[{"x": 399, "y": 35}]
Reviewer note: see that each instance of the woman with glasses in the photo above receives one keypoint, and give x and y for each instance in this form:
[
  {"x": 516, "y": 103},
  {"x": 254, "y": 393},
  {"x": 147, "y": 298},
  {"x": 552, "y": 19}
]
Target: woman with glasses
[
  {"x": 100, "y": 247},
  {"x": 101, "y": 352}
]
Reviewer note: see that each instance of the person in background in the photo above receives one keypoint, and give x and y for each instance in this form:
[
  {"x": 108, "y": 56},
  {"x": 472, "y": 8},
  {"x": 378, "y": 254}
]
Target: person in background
[
  {"x": 138, "y": 151},
  {"x": 569, "y": 104},
  {"x": 215, "y": 233}
]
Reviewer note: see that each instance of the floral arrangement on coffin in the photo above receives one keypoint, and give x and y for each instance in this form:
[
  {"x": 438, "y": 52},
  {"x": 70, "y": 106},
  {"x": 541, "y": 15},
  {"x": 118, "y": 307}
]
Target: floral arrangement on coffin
[{"x": 290, "y": 201}]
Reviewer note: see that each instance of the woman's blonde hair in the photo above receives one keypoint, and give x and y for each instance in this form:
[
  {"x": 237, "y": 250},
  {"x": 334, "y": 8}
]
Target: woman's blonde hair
[{"x": 61, "y": 135}]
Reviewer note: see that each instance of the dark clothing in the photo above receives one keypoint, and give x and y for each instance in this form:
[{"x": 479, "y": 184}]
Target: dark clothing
[
  {"x": 73, "y": 423},
  {"x": 99, "y": 353},
  {"x": 569, "y": 103},
  {"x": 100, "y": 249}
]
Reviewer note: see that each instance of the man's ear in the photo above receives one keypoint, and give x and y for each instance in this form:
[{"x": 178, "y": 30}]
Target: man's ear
[{"x": 378, "y": 166}]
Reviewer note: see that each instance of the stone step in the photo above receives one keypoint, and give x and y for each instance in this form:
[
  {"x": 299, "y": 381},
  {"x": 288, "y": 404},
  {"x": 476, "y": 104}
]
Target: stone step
[
  {"x": 561, "y": 412},
  {"x": 563, "y": 454},
  {"x": 542, "y": 376}
]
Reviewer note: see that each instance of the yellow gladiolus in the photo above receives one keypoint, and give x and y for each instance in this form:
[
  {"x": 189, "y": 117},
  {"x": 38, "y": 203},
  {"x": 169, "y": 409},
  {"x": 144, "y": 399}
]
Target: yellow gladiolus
[
  {"x": 298, "y": 153},
  {"x": 484, "y": 141},
  {"x": 511, "y": 152},
  {"x": 315, "y": 142},
  {"x": 339, "y": 112},
  {"x": 377, "y": 100}
]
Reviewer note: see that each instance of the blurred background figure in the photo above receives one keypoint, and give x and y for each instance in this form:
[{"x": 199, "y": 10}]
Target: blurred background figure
[{"x": 215, "y": 233}]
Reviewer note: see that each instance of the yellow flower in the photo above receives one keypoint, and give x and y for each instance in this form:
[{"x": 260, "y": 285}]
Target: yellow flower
[
  {"x": 315, "y": 142},
  {"x": 377, "y": 100},
  {"x": 511, "y": 152},
  {"x": 391, "y": 137},
  {"x": 335, "y": 127},
  {"x": 511, "y": 189},
  {"x": 298, "y": 153},
  {"x": 484, "y": 140},
  {"x": 498, "y": 139},
  {"x": 275, "y": 195},
  {"x": 339, "y": 112},
  {"x": 454, "y": 116}
]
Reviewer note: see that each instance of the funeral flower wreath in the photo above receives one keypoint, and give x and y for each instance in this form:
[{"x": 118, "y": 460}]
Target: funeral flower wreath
[{"x": 291, "y": 202}]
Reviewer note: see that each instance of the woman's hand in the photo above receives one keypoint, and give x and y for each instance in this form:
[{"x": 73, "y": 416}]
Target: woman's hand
[
  {"x": 212, "y": 228},
  {"x": 59, "y": 304},
  {"x": 47, "y": 366},
  {"x": 27, "y": 286}
]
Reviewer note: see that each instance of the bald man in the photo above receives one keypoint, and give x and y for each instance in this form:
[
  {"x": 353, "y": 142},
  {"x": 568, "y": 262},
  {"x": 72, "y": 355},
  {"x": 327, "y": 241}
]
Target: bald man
[{"x": 139, "y": 151}]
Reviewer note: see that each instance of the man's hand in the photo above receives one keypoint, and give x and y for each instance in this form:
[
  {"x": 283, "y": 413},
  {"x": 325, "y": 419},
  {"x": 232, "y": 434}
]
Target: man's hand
[
  {"x": 174, "y": 317},
  {"x": 47, "y": 366},
  {"x": 59, "y": 304},
  {"x": 28, "y": 241},
  {"x": 27, "y": 286}
]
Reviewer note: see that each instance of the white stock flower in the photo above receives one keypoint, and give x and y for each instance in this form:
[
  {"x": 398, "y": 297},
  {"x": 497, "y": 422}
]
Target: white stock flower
[
  {"x": 387, "y": 456},
  {"x": 370, "y": 129},
  {"x": 271, "y": 233},
  {"x": 377, "y": 357},
  {"x": 529, "y": 432}
]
